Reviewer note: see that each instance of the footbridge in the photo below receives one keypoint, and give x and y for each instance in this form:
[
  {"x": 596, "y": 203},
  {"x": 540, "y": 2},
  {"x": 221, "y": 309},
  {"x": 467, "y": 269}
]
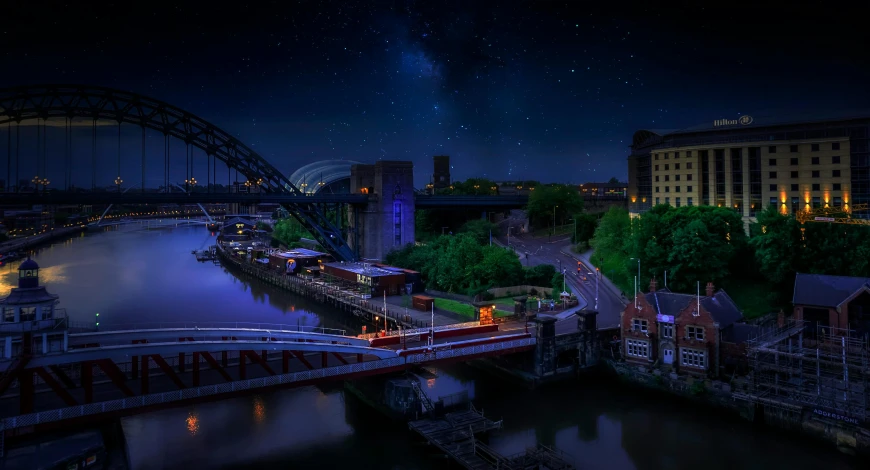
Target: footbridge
[{"x": 100, "y": 374}]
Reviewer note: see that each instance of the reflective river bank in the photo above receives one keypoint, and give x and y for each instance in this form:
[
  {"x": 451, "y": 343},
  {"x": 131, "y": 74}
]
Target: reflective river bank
[{"x": 137, "y": 275}]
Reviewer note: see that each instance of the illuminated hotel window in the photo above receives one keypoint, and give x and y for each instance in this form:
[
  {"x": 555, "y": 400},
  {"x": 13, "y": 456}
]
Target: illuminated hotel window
[{"x": 837, "y": 186}]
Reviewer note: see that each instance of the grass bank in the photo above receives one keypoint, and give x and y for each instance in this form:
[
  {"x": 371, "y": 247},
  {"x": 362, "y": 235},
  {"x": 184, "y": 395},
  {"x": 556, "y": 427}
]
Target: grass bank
[{"x": 466, "y": 310}]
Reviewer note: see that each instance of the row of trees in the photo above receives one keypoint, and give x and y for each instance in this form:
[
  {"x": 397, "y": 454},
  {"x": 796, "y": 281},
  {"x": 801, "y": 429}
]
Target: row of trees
[{"x": 709, "y": 244}]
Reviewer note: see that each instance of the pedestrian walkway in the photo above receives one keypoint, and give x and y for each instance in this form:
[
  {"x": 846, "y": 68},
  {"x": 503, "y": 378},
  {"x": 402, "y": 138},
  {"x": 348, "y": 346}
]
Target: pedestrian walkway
[
  {"x": 585, "y": 257},
  {"x": 442, "y": 317}
]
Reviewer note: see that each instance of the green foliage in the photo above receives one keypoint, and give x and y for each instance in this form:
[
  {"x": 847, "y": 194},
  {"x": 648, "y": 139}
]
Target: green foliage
[
  {"x": 460, "y": 264},
  {"x": 586, "y": 225},
  {"x": 540, "y": 275},
  {"x": 613, "y": 180},
  {"x": 480, "y": 229},
  {"x": 557, "y": 201},
  {"x": 472, "y": 186},
  {"x": 288, "y": 232}
]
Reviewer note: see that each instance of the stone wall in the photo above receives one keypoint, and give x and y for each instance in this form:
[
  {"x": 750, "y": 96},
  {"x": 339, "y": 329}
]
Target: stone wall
[{"x": 387, "y": 221}]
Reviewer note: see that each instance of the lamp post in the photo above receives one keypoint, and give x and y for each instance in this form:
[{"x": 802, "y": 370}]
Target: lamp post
[
  {"x": 37, "y": 181},
  {"x": 118, "y": 182},
  {"x": 637, "y": 288},
  {"x": 189, "y": 184}
]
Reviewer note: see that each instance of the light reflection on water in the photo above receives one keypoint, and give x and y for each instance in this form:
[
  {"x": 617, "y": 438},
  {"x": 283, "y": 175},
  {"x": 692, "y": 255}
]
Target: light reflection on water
[{"x": 150, "y": 276}]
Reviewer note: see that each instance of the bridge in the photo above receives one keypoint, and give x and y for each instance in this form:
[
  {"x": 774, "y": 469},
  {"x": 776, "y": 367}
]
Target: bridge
[{"x": 102, "y": 374}]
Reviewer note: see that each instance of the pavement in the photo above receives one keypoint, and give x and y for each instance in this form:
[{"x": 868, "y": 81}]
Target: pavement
[{"x": 556, "y": 251}]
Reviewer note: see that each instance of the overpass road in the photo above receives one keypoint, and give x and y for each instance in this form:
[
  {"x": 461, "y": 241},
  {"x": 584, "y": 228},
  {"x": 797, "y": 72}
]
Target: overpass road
[{"x": 549, "y": 251}]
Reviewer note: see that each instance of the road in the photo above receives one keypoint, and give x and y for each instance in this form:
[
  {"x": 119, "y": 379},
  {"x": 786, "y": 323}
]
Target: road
[{"x": 549, "y": 251}]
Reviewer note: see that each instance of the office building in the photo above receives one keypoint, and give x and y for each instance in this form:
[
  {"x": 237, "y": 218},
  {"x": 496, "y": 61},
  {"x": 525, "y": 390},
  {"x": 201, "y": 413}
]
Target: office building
[
  {"x": 441, "y": 175},
  {"x": 749, "y": 163}
]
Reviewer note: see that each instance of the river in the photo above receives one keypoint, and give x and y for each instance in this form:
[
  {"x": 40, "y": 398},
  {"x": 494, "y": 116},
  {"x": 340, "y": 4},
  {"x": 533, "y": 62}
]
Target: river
[{"x": 134, "y": 274}]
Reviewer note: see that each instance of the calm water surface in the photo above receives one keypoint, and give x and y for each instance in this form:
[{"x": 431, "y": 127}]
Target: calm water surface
[{"x": 138, "y": 275}]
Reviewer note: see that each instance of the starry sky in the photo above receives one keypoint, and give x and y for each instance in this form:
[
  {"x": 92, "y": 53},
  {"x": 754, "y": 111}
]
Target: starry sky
[{"x": 544, "y": 90}]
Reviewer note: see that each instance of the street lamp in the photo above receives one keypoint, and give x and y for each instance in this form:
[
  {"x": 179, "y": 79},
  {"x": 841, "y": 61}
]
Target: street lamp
[
  {"x": 118, "y": 182},
  {"x": 40, "y": 181},
  {"x": 189, "y": 183}
]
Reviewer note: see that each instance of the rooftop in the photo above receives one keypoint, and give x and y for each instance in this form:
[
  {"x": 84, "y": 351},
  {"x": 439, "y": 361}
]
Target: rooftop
[
  {"x": 29, "y": 295},
  {"x": 821, "y": 290},
  {"x": 721, "y": 307},
  {"x": 299, "y": 252},
  {"x": 365, "y": 269}
]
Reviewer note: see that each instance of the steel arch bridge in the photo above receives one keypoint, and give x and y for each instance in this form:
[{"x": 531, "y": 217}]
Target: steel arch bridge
[{"x": 22, "y": 103}]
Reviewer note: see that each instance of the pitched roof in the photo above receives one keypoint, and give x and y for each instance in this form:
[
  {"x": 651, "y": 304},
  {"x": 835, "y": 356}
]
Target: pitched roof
[
  {"x": 30, "y": 295},
  {"x": 721, "y": 307},
  {"x": 238, "y": 220},
  {"x": 821, "y": 290},
  {"x": 740, "y": 333}
]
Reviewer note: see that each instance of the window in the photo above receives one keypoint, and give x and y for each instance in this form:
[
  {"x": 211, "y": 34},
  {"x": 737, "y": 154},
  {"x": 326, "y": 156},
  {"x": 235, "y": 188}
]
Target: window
[
  {"x": 657, "y": 168},
  {"x": 835, "y": 146},
  {"x": 794, "y": 187},
  {"x": 668, "y": 201},
  {"x": 695, "y": 332},
  {"x": 771, "y": 162},
  {"x": 835, "y": 160},
  {"x": 397, "y": 223},
  {"x": 667, "y": 330},
  {"x": 676, "y": 177},
  {"x": 837, "y": 186},
  {"x": 817, "y": 202},
  {"x": 816, "y": 173},
  {"x": 792, "y": 161},
  {"x": 773, "y": 187},
  {"x": 689, "y": 201},
  {"x": 667, "y": 155},
  {"x": 638, "y": 324},
  {"x": 814, "y": 160},
  {"x": 677, "y": 202},
  {"x": 46, "y": 312},
  {"x": 657, "y": 189},
  {"x": 676, "y": 189},
  {"x": 835, "y": 173},
  {"x": 773, "y": 200},
  {"x": 676, "y": 155},
  {"x": 817, "y": 187},
  {"x": 9, "y": 314},
  {"x": 689, "y": 154},
  {"x": 667, "y": 189},
  {"x": 771, "y": 149},
  {"x": 814, "y": 147},
  {"x": 28, "y": 313},
  {"x": 657, "y": 201},
  {"x": 656, "y": 156},
  {"x": 838, "y": 201},
  {"x": 657, "y": 178},
  {"x": 667, "y": 167},
  {"x": 689, "y": 177},
  {"x": 693, "y": 358},
  {"x": 794, "y": 174},
  {"x": 676, "y": 166},
  {"x": 688, "y": 165},
  {"x": 772, "y": 175},
  {"x": 688, "y": 189},
  {"x": 667, "y": 177},
  {"x": 793, "y": 148},
  {"x": 635, "y": 348}
]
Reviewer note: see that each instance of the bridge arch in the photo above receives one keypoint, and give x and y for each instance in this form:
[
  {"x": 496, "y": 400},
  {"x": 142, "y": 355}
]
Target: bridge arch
[{"x": 93, "y": 102}]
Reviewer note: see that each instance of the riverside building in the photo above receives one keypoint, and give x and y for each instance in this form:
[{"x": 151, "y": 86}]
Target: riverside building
[{"x": 792, "y": 162}]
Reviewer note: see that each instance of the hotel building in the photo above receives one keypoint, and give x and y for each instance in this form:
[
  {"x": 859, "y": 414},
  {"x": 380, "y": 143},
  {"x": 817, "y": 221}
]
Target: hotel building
[{"x": 749, "y": 163}]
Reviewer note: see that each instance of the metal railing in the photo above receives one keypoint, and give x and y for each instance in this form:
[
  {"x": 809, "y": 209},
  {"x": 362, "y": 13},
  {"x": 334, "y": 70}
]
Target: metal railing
[
  {"x": 418, "y": 331},
  {"x": 224, "y": 325},
  {"x": 250, "y": 384}
]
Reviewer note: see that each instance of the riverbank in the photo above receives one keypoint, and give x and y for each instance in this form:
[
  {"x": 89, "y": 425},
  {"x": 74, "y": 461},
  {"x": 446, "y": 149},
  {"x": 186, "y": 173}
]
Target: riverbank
[{"x": 26, "y": 243}]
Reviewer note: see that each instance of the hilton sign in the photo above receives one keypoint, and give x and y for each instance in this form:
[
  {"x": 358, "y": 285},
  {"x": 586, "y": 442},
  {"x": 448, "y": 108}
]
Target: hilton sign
[{"x": 742, "y": 120}]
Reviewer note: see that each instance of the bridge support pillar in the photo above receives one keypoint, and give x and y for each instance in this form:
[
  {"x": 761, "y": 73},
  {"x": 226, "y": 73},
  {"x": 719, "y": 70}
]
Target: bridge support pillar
[
  {"x": 26, "y": 390},
  {"x": 87, "y": 373},
  {"x": 195, "y": 365},
  {"x": 387, "y": 222},
  {"x": 243, "y": 373},
  {"x": 181, "y": 360},
  {"x": 145, "y": 374},
  {"x": 285, "y": 362},
  {"x": 134, "y": 368},
  {"x": 545, "y": 349}
]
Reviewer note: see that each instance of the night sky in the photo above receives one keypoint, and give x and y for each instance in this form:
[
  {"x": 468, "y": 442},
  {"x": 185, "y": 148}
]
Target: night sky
[{"x": 541, "y": 90}]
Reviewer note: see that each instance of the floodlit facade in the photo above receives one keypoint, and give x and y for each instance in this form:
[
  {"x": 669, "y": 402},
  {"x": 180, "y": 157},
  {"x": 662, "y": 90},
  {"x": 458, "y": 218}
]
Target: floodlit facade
[{"x": 792, "y": 162}]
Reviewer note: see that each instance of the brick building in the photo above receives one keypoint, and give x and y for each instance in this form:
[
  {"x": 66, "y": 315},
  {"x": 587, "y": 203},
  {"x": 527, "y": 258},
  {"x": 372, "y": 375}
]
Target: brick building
[
  {"x": 683, "y": 332},
  {"x": 367, "y": 279},
  {"x": 832, "y": 301}
]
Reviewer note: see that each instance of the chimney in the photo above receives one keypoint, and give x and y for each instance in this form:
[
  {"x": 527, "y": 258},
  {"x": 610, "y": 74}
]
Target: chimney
[
  {"x": 780, "y": 318},
  {"x": 652, "y": 285},
  {"x": 710, "y": 289}
]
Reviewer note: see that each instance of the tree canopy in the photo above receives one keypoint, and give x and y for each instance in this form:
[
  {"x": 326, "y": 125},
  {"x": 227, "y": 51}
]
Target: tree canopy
[{"x": 555, "y": 201}]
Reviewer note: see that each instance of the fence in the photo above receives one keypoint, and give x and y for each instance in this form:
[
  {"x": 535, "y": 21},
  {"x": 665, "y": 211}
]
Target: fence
[
  {"x": 130, "y": 403},
  {"x": 418, "y": 331},
  {"x": 224, "y": 325}
]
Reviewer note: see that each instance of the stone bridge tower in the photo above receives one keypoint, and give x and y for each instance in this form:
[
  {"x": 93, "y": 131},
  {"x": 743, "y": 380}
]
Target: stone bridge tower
[{"x": 387, "y": 221}]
